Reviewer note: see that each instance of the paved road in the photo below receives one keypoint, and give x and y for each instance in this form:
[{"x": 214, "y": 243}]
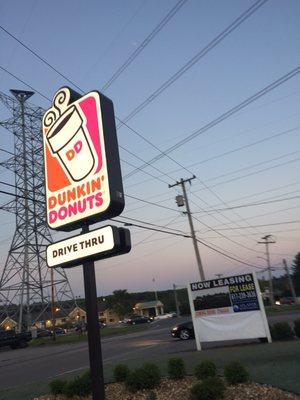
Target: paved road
[{"x": 36, "y": 364}]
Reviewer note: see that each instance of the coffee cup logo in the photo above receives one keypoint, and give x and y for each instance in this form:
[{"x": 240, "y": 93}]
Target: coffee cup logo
[{"x": 70, "y": 142}]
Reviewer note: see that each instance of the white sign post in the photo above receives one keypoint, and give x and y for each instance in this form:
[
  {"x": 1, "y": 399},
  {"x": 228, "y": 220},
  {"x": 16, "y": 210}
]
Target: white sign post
[{"x": 229, "y": 308}]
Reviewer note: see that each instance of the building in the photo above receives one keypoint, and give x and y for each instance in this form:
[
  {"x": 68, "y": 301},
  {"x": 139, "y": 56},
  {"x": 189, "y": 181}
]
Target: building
[
  {"x": 149, "y": 308},
  {"x": 8, "y": 323},
  {"x": 107, "y": 315}
]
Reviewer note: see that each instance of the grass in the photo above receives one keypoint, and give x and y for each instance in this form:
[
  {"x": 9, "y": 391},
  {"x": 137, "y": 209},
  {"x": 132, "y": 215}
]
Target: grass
[
  {"x": 284, "y": 309},
  {"x": 276, "y": 364},
  {"x": 77, "y": 338}
]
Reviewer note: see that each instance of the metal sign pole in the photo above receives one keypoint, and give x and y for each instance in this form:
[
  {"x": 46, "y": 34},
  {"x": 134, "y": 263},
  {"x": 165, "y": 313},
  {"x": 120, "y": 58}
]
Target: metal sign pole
[{"x": 94, "y": 339}]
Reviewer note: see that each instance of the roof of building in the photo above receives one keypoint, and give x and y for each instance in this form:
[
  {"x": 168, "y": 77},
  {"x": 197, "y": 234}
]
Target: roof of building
[{"x": 149, "y": 304}]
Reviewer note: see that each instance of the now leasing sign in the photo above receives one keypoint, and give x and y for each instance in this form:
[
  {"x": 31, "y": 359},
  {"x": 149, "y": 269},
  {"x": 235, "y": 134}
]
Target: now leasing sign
[
  {"x": 229, "y": 308},
  {"x": 82, "y": 167}
]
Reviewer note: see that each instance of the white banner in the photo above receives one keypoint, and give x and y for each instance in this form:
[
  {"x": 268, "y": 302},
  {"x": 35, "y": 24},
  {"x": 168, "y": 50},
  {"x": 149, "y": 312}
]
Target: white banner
[{"x": 229, "y": 308}]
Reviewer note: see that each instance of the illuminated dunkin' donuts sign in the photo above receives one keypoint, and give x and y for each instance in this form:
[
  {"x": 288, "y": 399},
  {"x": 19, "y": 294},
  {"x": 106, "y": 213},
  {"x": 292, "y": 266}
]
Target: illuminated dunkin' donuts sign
[{"x": 82, "y": 167}]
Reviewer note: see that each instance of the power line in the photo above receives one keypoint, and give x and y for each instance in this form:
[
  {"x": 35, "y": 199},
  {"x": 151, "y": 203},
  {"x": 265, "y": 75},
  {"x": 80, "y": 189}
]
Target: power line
[
  {"x": 144, "y": 43},
  {"x": 284, "y": 78},
  {"x": 148, "y": 163},
  {"x": 249, "y": 205},
  {"x": 24, "y": 83},
  {"x": 262, "y": 192},
  {"x": 254, "y": 165},
  {"x": 187, "y": 236},
  {"x": 112, "y": 42},
  {"x": 62, "y": 76},
  {"x": 126, "y": 195},
  {"x": 228, "y": 256},
  {"x": 197, "y": 57},
  {"x": 269, "y": 213},
  {"x": 255, "y": 172},
  {"x": 224, "y": 236},
  {"x": 43, "y": 60},
  {"x": 292, "y": 130},
  {"x": 261, "y": 225}
]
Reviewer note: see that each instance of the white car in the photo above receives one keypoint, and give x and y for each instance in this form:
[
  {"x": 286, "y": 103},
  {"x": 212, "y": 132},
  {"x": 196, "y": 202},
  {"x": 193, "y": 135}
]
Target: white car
[{"x": 165, "y": 316}]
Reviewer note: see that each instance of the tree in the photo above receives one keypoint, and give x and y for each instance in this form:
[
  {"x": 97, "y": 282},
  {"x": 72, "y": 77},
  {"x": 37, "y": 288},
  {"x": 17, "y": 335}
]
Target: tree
[
  {"x": 296, "y": 273},
  {"x": 121, "y": 302}
]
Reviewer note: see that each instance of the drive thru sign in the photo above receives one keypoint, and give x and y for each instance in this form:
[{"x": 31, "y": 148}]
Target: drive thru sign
[{"x": 84, "y": 186}]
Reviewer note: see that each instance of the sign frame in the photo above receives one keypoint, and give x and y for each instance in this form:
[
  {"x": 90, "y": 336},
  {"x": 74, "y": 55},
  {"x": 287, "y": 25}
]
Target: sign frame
[
  {"x": 121, "y": 245},
  {"x": 109, "y": 151},
  {"x": 261, "y": 311}
]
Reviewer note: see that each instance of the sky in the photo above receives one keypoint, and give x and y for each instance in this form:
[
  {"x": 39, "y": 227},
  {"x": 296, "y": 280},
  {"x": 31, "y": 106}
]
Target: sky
[{"x": 250, "y": 157}]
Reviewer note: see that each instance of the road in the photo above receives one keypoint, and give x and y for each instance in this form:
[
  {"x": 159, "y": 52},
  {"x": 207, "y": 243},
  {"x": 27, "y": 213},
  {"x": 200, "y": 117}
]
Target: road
[{"x": 36, "y": 364}]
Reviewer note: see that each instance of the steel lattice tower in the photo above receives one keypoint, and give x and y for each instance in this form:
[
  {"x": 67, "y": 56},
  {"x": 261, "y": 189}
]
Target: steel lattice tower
[{"x": 25, "y": 283}]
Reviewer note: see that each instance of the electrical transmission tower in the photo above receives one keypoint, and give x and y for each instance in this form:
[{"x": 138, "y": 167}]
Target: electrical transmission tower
[{"x": 25, "y": 281}]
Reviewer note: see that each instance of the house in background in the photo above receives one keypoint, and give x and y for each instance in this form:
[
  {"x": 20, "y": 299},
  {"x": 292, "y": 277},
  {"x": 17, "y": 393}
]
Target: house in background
[
  {"x": 77, "y": 315},
  {"x": 107, "y": 315},
  {"x": 149, "y": 308},
  {"x": 8, "y": 323},
  {"x": 62, "y": 316}
]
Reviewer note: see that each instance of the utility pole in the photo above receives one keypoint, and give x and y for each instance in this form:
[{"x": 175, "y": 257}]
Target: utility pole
[
  {"x": 266, "y": 241},
  {"x": 289, "y": 279},
  {"x": 52, "y": 305},
  {"x": 176, "y": 300},
  {"x": 155, "y": 290},
  {"x": 188, "y": 211}
]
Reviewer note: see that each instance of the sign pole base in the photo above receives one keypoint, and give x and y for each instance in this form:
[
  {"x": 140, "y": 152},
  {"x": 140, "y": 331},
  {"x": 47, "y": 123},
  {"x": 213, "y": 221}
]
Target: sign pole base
[{"x": 95, "y": 352}]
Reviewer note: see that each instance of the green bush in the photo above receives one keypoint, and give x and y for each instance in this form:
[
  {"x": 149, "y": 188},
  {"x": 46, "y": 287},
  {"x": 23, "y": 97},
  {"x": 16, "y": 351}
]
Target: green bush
[
  {"x": 146, "y": 377},
  {"x": 297, "y": 327},
  {"x": 206, "y": 369},
  {"x": 281, "y": 331},
  {"x": 79, "y": 386},
  {"x": 57, "y": 386},
  {"x": 176, "y": 368},
  {"x": 152, "y": 396},
  {"x": 121, "y": 372},
  {"x": 235, "y": 373},
  {"x": 211, "y": 388}
]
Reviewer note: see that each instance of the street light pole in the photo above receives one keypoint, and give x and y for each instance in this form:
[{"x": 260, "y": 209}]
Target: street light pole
[
  {"x": 289, "y": 279},
  {"x": 266, "y": 242},
  {"x": 176, "y": 300}
]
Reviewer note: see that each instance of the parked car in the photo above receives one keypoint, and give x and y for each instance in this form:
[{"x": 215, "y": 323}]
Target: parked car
[
  {"x": 286, "y": 300},
  {"x": 183, "y": 331},
  {"x": 165, "y": 316},
  {"x": 137, "y": 319},
  {"x": 40, "y": 332},
  {"x": 58, "y": 331},
  {"x": 14, "y": 340}
]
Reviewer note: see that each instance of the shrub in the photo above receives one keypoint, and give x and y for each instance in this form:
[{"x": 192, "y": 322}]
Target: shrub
[
  {"x": 152, "y": 396},
  {"x": 297, "y": 327},
  {"x": 176, "y": 368},
  {"x": 235, "y": 372},
  {"x": 146, "y": 377},
  {"x": 209, "y": 389},
  {"x": 57, "y": 386},
  {"x": 281, "y": 331},
  {"x": 79, "y": 386},
  {"x": 206, "y": 369},
  {"x": 121, "y": 372}
]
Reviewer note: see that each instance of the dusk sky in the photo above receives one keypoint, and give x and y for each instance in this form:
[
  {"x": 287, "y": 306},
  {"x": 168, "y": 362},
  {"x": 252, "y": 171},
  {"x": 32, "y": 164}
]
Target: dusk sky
[{"x": 249, "y": 158}]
